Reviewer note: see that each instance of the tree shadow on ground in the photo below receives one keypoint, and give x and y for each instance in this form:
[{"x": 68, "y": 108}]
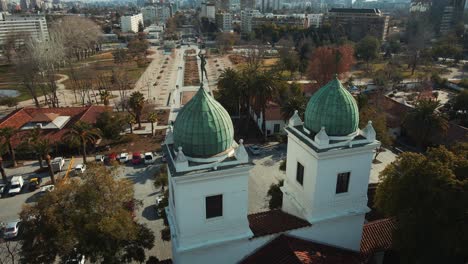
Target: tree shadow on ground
[{"x": 149, "y": 213}]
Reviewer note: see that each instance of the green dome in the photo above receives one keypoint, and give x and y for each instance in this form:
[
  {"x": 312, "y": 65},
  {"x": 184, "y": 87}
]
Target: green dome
[
  {"x": 203, "y": 128},
  {"x": 334, "y": 108}
]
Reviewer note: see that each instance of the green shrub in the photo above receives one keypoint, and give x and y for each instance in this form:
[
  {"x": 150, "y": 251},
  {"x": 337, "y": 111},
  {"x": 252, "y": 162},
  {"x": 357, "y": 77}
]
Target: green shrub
[{"x": 276, "y": 195}]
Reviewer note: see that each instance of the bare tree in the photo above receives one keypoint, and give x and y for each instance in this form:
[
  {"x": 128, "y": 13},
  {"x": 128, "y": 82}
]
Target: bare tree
[
  {"x": 121, "y": 81},
  {"x": 9, "y": 252},
  {"x": 78, "y": 35}
]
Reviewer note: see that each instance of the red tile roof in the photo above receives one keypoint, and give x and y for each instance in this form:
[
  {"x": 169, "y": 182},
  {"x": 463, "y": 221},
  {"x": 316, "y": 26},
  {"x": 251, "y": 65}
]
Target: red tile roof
[
  {"x": 20, "y": 117},
  {"x": 377, "y": 236},
  {"x": 274, "y": 221},
  {"x": 273, "y": 112},
  {"x": 286, "y": 249}
]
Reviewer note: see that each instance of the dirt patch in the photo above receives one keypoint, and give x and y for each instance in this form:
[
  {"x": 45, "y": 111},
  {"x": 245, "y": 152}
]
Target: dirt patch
[
  {"x": 136, "y": 143},
  {"x": 237, "y": 59},
  {"x": 163, "y": 117},
  {"x": 191, "y": 76}
]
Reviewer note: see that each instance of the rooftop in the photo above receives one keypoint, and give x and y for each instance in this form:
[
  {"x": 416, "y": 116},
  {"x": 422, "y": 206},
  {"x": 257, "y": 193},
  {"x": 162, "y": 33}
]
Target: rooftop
[
  {"x": 377, "y": 236},
  {"x": 287, "y": 249},
  {"x": 274, "y": 221},
  {"x": 355, "y": 10}
]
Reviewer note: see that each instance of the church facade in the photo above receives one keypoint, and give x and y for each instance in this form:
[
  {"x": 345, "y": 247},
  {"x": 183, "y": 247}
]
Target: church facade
[{"x": 324, "y": 194}]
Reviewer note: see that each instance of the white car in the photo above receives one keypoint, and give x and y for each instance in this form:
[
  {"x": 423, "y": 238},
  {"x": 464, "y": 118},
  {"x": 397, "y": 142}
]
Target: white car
[
  {"x": 254, "y": 149},
  {"x": 17, "y": 183},
  {"x": 80, "y": 168},
  {"x": 47, "y": 188},
  {"x": 124, "y": 157},
  {"x": 11, "y": 229},
  {"x": 99, "y": 158},
  {"x": 149, "y": 158}
]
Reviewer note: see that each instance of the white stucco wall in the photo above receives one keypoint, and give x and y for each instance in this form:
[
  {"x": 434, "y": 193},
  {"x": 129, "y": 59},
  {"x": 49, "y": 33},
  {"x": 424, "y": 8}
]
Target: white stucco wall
[
  {"x": 190, "y": 191},
  {"x": 317, "y": 201}
]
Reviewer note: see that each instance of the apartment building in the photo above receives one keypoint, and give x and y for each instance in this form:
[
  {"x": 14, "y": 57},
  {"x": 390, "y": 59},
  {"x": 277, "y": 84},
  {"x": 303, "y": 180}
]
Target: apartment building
[
  {"x": 224, "y": 21},
  {"x": 23, "y": 26},
  {"x": 291, "y": 20},
  {"x": 247, "y": 16},
  {"x": 208, "y": 10},
  {"x": 359, "y": 22},
  {"x": 129, "y": 23},
  {"x": 314, "y": 20}
]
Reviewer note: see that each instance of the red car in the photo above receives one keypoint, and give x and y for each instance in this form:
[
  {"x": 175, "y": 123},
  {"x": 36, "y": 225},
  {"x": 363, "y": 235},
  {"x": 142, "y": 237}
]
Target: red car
[{"x": 137, "y": 158}]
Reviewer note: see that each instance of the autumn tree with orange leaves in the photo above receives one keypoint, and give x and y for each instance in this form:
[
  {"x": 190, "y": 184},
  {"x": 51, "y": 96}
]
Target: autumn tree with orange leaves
[{"x": 327, "y": 61}]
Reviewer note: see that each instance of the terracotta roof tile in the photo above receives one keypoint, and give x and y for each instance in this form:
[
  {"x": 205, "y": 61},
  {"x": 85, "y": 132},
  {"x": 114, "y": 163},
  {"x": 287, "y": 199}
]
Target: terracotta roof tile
[
  {"x": 274, "y": 221},
  {"x": 44, "y": 117},
  {"x": 377, "y": 236},
  {"x": 24, "y": 115},
  {"x": 291, "y": 250},
  {"x": 15, "y": 119},
  {"x": 273, "y": 112}
]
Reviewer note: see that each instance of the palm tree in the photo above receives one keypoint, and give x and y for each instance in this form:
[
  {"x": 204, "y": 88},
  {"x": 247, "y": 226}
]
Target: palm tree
[
  {"x": 2, "y": 170},
  {"x": 136, "y": 103},
  {"x": 32, "y": 137},
  {"x": 424, "y": 122},
  {"x": 7, "y": 134},
  {"x": 265, "y": 90},
  {"x": 161, "y": 178},
  {"x": 229, "y": 90},
  {"x": 292, "y": 104},
  {"x": 42, "y": 147},
  {"x": 153, "y": 117},
  {"x": 82, "y": 133},
  {"x": 131, "y": 121}
]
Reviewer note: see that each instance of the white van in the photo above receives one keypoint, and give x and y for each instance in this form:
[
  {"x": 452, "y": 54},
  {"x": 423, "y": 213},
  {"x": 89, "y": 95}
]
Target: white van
[{"x": 17, "y": 183}]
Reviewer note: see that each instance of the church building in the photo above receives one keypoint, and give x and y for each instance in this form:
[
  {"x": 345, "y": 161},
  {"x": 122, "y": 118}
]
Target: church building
[{"x": 322, "y": 219}]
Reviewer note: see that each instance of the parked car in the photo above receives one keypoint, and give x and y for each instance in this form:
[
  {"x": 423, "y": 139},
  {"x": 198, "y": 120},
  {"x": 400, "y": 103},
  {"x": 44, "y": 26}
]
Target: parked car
[
  {"x": 12, "y": 229},
  {"x": 80, "y": 168},
  {"x": 34, "y": 183},
  {"x": 47, "y": 188},
  {"x": 110, "y": 157},
  {"x": 254, "y": 149},
  {"x": 57, "y": 164},
  {"x": 17, "y": 183},
  {"x": 149, "y": 158},
  {"x": 99, "y": 158},
  {"x": 136, "y": 158},
  {"x": 123, "y": 157}
]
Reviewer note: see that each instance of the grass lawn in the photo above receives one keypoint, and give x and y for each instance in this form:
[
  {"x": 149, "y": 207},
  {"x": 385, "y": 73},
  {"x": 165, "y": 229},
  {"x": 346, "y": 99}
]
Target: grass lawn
[
  {"x": 91, "y": 71},
  {"x": 8, "y": 74}
]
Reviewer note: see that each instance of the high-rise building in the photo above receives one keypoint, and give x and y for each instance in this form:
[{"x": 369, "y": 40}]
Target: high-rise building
[
  {"x": 208, "y": 10},
  {"x": 247, "y": 4},
  {"x": 291, "y": 20},
  {"x": 359, "y": 22},
  {"x": 23, "y": 27},
  {"x": 129, "y": 23},
  {"x": 442, "y": 14},
  {"x": 224, "y": 21},
  {"x": 223, "y": 5},
  {"x": 246, "y": 19},
  {"x": 3, "y": 5}
]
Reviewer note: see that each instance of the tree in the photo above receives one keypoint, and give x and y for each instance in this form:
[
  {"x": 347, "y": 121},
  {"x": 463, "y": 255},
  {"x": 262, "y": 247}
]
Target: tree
[
  {"x": 7, "y": 133},
  {"x": 82, "y": 134},
  {"x": 3, "y": 150},
  {"x": 289, "y": 60},
  {"x": 160, "y": 179},
  {"x": 137, "y": 47},
  {"x": 447, "y": 47},
  {"x": 418, "y": 34},
  {"x": 229, "y": 90},
  {"x": 368, "y": 49},
  {"x": 427, "y": 196},
  {"x": 424, "y": 123},
  {"x": 379, "y": 123},
  {"x": 296, "y": 103},
  {"x": 327, "y": 61},
  {"x": 136, "y": 103},
  {"x": 276, "y": 195},
  {"x": 140, "y": 27},
  {"x": 153, "y": 118},
  {"x": 9, "y": 252},
  {"x": 110, "y": 124},
  {"x": 78, "y": 36},
  {"x": 120, "y": 56},
  {"x": 265, "y": 88},
  {"x": 92, "y": 216},
  {"x": 460, "y": 106}
]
